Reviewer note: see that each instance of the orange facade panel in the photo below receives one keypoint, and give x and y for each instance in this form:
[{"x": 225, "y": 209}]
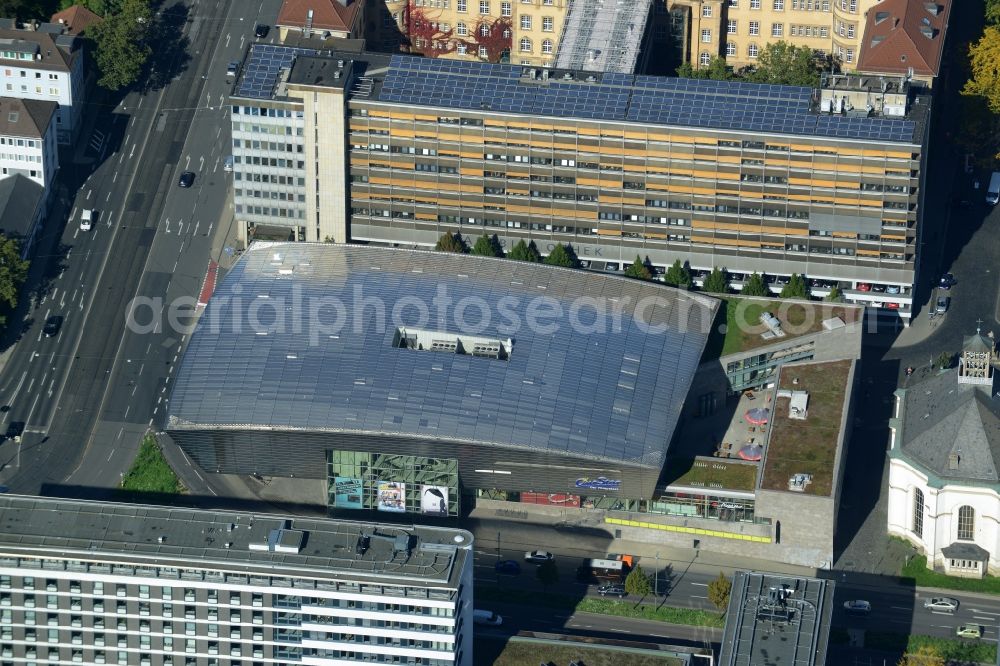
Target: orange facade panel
[
  {"x": 868, "y": 253},
  {"x": 426, "y": 216}
]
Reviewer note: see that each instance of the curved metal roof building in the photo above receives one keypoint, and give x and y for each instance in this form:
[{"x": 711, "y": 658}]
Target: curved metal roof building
[{"x": 357, "y": 342}]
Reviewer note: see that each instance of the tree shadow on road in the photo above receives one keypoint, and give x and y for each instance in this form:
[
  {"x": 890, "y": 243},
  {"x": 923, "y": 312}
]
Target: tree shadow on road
[
  {"x": 55, "y": 263},
  {"x": 169, "y": 45}
]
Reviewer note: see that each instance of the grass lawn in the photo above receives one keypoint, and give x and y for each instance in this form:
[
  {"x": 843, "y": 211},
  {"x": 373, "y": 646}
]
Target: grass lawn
[
  {"x": 954, "y": 650},
  {"x": 711, "y": 473},
  {"x": 743, "y": 327},
  {"x": 518, "y": 652},
  {"x": 809, "y": 446},
  {"x": 917, "y": 569},
  {"x": 619, "y": 608},
  {"x": 150, "y": 472}
]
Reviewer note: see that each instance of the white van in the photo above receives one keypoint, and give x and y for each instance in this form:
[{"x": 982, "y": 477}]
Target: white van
[
  {"x": 227, "y": 165},
  {"x": 993, "y": 193},
  {"x": 86, "y": 219},
  {"x": 486, "y": 617}
]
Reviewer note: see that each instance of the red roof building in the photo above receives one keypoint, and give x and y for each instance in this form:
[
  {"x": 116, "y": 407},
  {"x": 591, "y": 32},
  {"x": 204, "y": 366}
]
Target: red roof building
[
  {"x": 76, "y": 19},
  {"x": 904, "y": 36},
  {"x": 340, "y": 18}
]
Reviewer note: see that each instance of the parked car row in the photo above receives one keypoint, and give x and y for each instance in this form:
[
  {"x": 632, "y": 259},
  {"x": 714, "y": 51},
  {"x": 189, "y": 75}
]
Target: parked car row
[{"x": 772, "y": 280}]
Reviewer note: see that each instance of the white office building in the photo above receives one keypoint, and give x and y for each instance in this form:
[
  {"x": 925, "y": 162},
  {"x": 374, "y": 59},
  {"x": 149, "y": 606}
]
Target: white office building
[
  {"x": 28, "y": 140},
  {"x": 44, "y": 64},
  {"x": 98, "y": 583}
]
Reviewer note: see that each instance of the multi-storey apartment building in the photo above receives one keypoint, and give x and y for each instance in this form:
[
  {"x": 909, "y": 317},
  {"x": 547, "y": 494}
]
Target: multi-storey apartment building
[
  {"x": 518, "y": 31},
  {"x": 739, "y": 29},
  {"x": 772, "y": 179},
  {"x": 28, "y": 139},
  {"x": 44, "y": 64},
  {"x": 95, "y": 583}
]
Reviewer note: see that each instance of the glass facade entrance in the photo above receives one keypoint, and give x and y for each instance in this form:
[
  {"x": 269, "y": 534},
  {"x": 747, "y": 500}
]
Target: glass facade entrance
[{"x": 392, "y": 483}]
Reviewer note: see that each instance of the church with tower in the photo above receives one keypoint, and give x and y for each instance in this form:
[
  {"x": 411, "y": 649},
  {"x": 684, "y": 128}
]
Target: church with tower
[{"x": 944, "y": 464}]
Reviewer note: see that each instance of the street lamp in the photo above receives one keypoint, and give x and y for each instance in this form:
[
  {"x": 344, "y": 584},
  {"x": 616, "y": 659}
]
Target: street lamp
[{"x": 656, "y": 576}]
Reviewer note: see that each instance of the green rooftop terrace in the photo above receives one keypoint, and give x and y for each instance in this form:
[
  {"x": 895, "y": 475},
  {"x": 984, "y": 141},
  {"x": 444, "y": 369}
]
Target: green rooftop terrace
[
  {"x": 807, "y": 446},
  {"x": 741, "y": 317},
  {"x": 711, "y": 473}
]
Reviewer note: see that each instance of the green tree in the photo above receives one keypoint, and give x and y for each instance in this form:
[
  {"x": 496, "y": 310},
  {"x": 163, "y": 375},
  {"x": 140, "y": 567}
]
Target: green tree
[
  {"x": 525, "y": 252},
  {"x": 563, "y": 255},
  {"x": 834, "y": 296},
  {"x": 781, "y": 62},
  {"x": 717, "y": 282},
  {"x": 450, "y": 242},
  {"x": 488, "y": 246},
  {"x": 638, "y": 583},
  {"x": 120, "y": 40},
  {"x": 26, "y": 9},
  {"x": 944, "y": 360},
  {"x": 678, "y": 276},
  {"x": 547, "y": 573},
  {"x": 755, "y": 286},
  {"x": 13, "y": 270},
  {"x": 993, "y": 11},
  {"x": 796, "y": 287},
  {"x": 99, "y": 7},
  {"x": 925, "y": 655},
  {"x": 718, "y": 591},
  {"x": 638, "y": 270},
  {"x": 984, "y": 58},
  {"x": 717, "y": 69}
]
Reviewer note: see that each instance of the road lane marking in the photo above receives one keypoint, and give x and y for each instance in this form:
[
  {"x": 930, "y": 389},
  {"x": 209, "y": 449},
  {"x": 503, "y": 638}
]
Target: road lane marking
[
  {"x": 980, "y": 617},
  {"x": 700, "y": 584},
  {"x": 902, "y": 608},
  {"x": 110, "y": 454}
]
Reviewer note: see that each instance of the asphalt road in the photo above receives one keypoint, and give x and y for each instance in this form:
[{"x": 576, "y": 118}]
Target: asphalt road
[{"x": 90, "y": 393}]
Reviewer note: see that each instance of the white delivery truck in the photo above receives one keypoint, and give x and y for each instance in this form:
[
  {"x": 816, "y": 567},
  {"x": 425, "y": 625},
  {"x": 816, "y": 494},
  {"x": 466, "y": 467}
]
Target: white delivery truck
[
  {"x": 86, "y": 219},
  {"x": 993, "y": 192}
]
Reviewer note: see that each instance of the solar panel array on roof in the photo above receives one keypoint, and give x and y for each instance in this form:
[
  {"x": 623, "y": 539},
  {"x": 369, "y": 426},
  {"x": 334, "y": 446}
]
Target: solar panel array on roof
[
  {"x": 736, "y": 105},
  {"x": 476, "y": 86},
  {"x": 260, "y": 75},
  {"x": 621, "y": 406},
  {"x": 470, "y": 85}
]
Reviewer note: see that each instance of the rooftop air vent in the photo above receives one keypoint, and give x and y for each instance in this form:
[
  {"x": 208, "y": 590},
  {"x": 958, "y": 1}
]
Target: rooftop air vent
[
  {"x": 927, "y": 32},
  {"x": 933, "y": 8},
  {"x": 453, "y": 343},
  {"x": 798, "y": 482}
]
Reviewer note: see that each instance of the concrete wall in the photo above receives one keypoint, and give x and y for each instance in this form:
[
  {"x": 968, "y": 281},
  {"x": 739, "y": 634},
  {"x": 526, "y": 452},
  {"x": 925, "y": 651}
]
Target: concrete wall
[{"x": 325, "y": 146}]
